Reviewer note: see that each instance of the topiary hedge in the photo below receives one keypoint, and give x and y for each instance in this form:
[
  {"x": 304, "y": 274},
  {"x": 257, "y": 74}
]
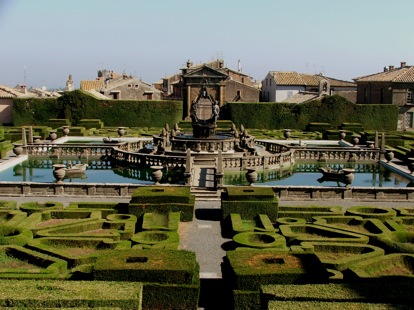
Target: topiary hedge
[
  {"x": 41, "y": 294},
  {"x": 77, "y": 105},
  {"x": 334, "y": 110}
]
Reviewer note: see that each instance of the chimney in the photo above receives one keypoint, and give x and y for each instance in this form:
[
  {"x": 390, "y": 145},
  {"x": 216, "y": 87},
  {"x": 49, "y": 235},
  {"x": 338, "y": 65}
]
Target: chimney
[
  {"x": 24, "y": 89},
  {"x": 385, "y": 69},
  {"x": 403, "y": 64},
  {"x": 391, "y": 67}
]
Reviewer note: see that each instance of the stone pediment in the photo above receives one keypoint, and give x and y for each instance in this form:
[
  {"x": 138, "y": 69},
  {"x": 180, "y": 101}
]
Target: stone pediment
[{"x": 206, "y": 72}]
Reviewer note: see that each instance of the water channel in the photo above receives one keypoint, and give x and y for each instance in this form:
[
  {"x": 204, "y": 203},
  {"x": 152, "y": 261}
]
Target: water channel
[{"x": 300, "y": 174}]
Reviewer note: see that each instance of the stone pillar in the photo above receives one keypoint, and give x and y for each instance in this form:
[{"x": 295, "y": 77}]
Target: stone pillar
[
  {"x": 221, "y": 95},
  {"x": 219, "y": 170},
  {"x": 382, "y": 142},
  {"x": 30, "y": 134},
  {"x": 188, "y": 101},
  {"x": 376, "y": 145},
  {"x": 188, "y": 167}
]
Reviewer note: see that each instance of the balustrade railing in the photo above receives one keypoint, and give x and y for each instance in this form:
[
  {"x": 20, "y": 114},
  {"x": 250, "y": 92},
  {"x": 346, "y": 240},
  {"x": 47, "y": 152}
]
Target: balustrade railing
[{"x": 279, "y": 155}]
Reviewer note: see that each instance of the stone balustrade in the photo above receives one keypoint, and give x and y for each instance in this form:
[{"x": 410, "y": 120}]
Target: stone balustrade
[
  {"x": 293, "y": 193},
  {"x": 279, "y": 155}
]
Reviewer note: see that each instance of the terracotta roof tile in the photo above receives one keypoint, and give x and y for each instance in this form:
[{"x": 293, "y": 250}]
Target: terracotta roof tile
[
  {"x": 5, "y": 94},
  {"x": 294, "y": 78},
  {"x": 92, "y": 84},
  {"x": 401, "y": 75}
]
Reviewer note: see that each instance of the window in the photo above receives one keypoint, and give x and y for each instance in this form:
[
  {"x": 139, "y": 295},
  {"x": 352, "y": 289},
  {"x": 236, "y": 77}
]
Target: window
[
  {"x": 149, "y": 96},
  {"x": 136, "y": 85},
  {"x": 289, "y": 94},
  {"x": 410, "y": 96},
  {"x": 129, "y": 85}
]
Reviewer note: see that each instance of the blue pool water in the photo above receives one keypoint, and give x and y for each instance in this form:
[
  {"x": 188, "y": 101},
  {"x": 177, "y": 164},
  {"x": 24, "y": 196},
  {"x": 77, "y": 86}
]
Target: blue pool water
[{"x": 38, "y": 170}]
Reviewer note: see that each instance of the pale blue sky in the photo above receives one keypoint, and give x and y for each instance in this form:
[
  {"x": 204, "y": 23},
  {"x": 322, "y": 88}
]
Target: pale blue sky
[{"x": 42, "y": 41}]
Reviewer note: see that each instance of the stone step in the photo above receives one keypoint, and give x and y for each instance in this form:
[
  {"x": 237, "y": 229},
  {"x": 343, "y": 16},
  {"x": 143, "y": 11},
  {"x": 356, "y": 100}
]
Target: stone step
[{"x": 205, "y": 194}]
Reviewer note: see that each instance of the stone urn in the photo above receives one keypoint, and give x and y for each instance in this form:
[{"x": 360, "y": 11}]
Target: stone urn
[
  {"x": 53, "y": 135},
  {"x": 389, "y": 155},
  {"x": 37, "y": 139},
  {"x": 348, "y": 175},
  {"x": 370, "y": 144},
  {"x": 342, "y": 134},
  {"x": 59, "y": 172},
  {"x": 17, "y": 149},
  {"x": 355, "y": 139},
  {"x": 156, "y": 174},
  {"x": 65, "y": 130},
  {"x": 410, "y": 164},
  {"x": 287, "y": 133},
  {"x": 251, "y": 176},
  {"x": 121, "y": 131}
]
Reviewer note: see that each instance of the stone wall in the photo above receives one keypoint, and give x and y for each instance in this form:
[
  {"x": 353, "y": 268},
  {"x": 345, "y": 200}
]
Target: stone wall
[{"x": 294, "y": 193}]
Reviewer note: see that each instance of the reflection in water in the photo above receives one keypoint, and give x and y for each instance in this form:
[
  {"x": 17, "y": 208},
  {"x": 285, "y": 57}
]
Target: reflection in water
[
  {"x": 98, "y": 171},
  {"x": 307, "y": 174}
]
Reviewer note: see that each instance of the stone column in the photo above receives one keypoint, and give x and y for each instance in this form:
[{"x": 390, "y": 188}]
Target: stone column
[
  {"x": 188, "y": 164},
  {"x": 188, "y": 101},
  {"x": 376, "y": 145},
  {"x": 221, "y": 95},
  {"x": 30, "y": 134}
]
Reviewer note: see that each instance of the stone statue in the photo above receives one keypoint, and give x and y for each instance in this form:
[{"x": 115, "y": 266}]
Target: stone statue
[
  {"x": 69, "y": 83},
  {"x": 216, "y": 111}
]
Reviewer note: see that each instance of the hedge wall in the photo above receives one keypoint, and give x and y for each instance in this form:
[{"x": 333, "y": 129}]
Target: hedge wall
[
  {"x": 334, "y": 110},
  {"x": 34, "y": 111},
  {"x": 77, "y": 105}
]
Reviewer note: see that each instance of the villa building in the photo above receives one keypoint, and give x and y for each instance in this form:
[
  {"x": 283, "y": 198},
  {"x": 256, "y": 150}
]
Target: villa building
[
  {"x": 120, "y": 86},
  {"x": 393, "y": 85},
  {"x": 281, "y": 86},
  {"x": 7, "y": 94},
  {"x": 224, "y": 84}
]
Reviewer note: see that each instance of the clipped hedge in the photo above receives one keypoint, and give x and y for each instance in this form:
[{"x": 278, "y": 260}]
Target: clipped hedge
[
  {"x": 77, "y": 105},
  {"x": 297, "y": 233},
  {"x": 14, "y": 235},
  {"x": 161, "y": 221},
  {"x": 321, "y": 127},
  {"x": 159, "y": 266},
  {"x": 243, "y": 193},
  {"x": 161, "y": 194},
  {"x": 260, "y": 240},
  {"x": 249, "y": 202},
  {"x": 91, "y": 123},
  {"x": 334, "y": 110},
  {"x": 186, "y": 209},
  {"x": 34, "y": 206},
  {"x": 380, "y": 213},
  {"x": 34, "y": 111},
  {"x": 21, "y": 263},
  {"x": 41, "y": 294},
  {"x": 341, "y": 294},
  {"x": 159, "y": 199},
  {"x": 8, "y": 204},
  {"x": 255, "y": 267}
]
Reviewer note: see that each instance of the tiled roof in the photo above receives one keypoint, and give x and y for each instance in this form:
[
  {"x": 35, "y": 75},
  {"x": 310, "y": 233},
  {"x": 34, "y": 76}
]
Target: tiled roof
[
  {"x": 92, "y": 84},
  {"x": 400, "y": 75},
  {"x": 5, "y": 94},
  {"x": 301, "y": 97},
  {"x": 97, "y": 94},
  {"x": 294, "y": 78},
  {"x": 8, "y": 92}
]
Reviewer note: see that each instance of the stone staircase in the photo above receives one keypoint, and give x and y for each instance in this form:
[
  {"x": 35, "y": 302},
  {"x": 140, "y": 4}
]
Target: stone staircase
[
  {"x": 206, "y": 194},
  {"x": 202, "y": 185}
]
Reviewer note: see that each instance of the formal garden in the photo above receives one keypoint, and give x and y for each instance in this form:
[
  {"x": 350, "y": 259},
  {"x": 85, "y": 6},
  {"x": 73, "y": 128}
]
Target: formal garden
[{"x": 129, "y": 255}]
